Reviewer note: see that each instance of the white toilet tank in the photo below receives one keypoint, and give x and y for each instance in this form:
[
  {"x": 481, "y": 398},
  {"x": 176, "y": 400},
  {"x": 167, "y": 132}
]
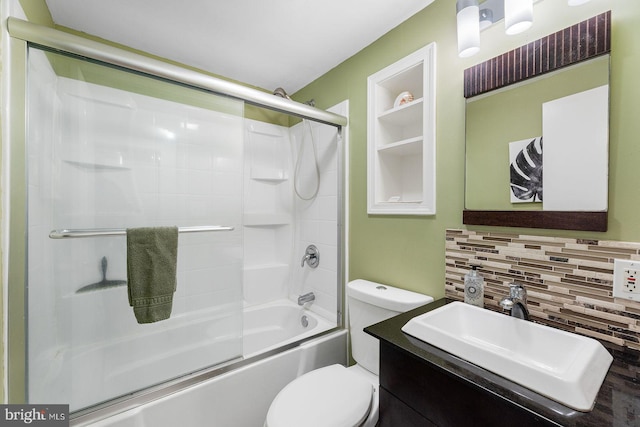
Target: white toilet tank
[{"x": 369, "y": 303}]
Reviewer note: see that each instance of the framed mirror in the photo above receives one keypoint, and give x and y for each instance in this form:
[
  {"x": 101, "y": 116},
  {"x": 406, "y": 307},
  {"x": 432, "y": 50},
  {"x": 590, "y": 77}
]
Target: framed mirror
[{"x": 537, "y": 121}]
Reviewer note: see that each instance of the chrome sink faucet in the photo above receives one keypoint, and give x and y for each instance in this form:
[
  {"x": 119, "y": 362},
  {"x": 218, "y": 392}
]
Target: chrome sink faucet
[{"x": 516, "y": 302}]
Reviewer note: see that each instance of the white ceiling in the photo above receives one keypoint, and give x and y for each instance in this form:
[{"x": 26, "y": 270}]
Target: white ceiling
[{"x": 265, "y": 43}]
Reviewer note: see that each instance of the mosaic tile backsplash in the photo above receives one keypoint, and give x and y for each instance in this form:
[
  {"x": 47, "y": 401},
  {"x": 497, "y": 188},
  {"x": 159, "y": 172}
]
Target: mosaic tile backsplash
[{"x": 569, "y": 281}]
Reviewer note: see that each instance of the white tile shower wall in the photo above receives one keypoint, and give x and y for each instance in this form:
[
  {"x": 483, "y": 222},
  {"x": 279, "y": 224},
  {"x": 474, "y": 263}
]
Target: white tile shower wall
[
  {"x": 279, "y": 225},
  {"x": 316, "y": 219},
  {"x": 131, "y": 184},
  {"x": 268, "y": 213},
  {"x": 177, "y": 166}
]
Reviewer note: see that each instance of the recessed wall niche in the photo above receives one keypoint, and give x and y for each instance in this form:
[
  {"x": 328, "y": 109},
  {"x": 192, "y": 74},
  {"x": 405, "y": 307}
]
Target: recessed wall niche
[{"x": 401, "y": 136}]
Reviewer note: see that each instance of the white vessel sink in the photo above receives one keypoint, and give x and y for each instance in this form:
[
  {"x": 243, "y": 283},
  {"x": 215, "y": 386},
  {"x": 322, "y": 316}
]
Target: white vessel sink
[{"x": 565, "y": 367}]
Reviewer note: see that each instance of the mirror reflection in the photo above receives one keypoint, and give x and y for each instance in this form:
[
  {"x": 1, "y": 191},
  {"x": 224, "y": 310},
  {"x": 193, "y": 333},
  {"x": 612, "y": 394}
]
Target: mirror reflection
[{"x": 541, "y": 144}]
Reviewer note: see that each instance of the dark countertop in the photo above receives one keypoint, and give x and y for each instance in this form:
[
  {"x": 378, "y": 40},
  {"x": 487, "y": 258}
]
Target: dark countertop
[{"x": 617, "y": 403}]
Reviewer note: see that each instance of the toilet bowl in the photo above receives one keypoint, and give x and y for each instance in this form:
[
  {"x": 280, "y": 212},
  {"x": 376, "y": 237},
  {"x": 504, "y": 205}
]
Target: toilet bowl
[
  {"x": 336, "y": 396},
  {"x": 329, "y": 396}
]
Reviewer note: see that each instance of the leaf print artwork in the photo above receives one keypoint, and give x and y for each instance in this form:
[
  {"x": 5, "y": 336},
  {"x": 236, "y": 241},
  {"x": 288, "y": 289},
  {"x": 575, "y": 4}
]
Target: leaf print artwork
[{"x": 525, "y": 170}]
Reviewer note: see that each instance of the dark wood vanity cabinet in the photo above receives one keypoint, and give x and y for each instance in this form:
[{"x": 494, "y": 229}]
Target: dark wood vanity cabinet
[
  {"x": 422, "y": 385},
  {"x": 414, "y": 392}
]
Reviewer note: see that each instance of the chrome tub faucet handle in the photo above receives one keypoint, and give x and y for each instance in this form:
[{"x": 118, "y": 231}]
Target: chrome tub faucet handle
[{"x": 311, "y": 257}]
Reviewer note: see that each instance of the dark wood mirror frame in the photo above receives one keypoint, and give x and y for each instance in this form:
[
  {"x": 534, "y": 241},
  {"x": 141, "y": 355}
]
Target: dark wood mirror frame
[{"x": 580, "y": 42}]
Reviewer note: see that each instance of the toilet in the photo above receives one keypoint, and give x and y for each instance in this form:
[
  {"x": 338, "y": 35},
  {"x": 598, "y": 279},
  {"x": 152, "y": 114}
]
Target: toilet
[{"x": 335, "y": 396}]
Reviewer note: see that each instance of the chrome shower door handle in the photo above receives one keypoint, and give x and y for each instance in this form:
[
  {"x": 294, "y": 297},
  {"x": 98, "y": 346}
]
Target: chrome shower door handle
[{"x": 311, "y": 257}]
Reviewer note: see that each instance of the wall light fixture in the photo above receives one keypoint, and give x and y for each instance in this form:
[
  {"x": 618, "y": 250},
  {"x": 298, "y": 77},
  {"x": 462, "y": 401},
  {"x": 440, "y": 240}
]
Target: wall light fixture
[
  {"x": 518, "y": 15},
  {"x": 474, "y": 16},
  {"x": 468, "y": 19}
]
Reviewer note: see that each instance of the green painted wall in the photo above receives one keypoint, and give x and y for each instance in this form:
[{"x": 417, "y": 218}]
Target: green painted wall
[
  {"x": 409, "y": 252},
  {"x": 37, "y": 12}
]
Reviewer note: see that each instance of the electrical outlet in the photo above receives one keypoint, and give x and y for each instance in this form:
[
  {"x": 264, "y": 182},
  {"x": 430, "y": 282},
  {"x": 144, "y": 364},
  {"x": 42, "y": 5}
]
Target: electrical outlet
[{"x": 626, "y": 279}]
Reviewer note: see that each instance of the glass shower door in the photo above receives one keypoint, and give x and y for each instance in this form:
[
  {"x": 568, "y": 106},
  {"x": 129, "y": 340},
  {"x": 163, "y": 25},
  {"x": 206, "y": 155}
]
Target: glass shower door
[{"x": 110, "y": 149}]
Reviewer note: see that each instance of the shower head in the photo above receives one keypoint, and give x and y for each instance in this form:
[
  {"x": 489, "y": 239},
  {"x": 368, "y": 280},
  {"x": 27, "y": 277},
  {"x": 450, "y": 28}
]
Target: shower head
[{"x": 281, "y": 93}]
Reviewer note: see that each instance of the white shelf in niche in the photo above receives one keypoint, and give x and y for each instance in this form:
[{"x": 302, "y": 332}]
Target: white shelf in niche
[
  {"x": 266, "y": 219},
  {"x": 408, "y": 147},
  {"x": 403, "y": 114},
  {"x": 401, "y": 201}
]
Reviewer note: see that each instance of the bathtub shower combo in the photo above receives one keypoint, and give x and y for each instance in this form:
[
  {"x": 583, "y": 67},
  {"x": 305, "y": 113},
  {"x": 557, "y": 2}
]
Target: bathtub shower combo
[{"x": 258, "y": 299}]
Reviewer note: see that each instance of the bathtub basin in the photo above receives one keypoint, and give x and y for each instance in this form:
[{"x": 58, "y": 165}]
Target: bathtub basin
[
  {"x": 560, "y": 365},
  {"x": 271, "y": 325}
]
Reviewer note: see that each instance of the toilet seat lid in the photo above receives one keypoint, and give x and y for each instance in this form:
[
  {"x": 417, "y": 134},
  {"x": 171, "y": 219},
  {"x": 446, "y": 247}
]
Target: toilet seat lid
[{"x": 331, "y": 396}]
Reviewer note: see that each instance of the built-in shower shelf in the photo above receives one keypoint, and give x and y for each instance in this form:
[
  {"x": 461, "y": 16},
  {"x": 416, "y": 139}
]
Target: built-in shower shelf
[
  {"x": 266, "y": 219},
  {"x": 269, "y": 174},
  {"x": 91, "y": 166},
  {"x": 267, "y": 266}
]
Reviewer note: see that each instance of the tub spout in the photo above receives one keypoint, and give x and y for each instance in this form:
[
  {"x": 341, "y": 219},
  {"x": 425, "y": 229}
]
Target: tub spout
[{"x": 308, "y": 297}]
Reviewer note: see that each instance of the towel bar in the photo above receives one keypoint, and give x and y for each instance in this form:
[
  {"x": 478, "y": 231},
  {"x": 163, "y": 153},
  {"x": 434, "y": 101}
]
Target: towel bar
[{"x": 96, "y": 232}]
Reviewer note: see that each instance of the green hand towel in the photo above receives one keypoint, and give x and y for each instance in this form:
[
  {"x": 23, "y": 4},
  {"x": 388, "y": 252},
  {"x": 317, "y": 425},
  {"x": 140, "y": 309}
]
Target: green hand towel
[{"x": 152, "y": 254}]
